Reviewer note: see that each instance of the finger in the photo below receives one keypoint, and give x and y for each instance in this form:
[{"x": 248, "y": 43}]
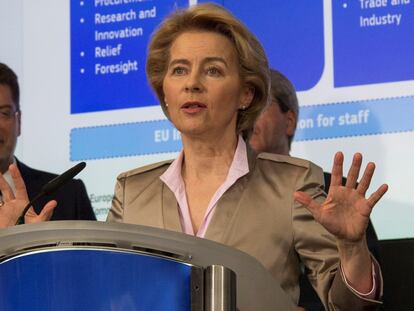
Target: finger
[
  {"x": 21, "y": 192},
  {"x": 353, "y": 173},
  {"x": 6, "y": 191},
  {"x": 47, "y": 211},
  {"x": 304, "y": 199},
  {"x": 31, "y": 216},
  {"x": 30, "y": 213},
  {"x": 366, "y": 178},
  {"x": 45, "y": 214},
  {"x": 377, "y": 195},
  {"x": 337, "y": 174}
]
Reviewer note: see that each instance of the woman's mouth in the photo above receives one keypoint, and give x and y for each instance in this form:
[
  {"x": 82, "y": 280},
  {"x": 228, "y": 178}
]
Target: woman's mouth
[{"x": 193, "y": 107}]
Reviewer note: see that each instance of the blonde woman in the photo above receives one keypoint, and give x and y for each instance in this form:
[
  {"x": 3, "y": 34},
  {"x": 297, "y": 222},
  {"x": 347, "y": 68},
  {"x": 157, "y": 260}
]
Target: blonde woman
[{"x": 211, "y": 77}]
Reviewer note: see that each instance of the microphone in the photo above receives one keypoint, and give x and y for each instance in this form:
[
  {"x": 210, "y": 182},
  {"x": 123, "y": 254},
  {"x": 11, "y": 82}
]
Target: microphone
[{"x": 52, "y": 186}]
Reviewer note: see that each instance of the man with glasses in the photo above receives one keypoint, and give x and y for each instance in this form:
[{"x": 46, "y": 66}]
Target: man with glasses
[{"x": 72, "y": 198}]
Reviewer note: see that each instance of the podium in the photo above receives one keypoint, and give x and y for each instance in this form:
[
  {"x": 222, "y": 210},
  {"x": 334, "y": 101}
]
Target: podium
[{"x": 84, "y": 265}]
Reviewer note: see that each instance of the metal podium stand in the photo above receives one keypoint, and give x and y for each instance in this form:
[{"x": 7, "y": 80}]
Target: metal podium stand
[{"x": 84, "y": 265}]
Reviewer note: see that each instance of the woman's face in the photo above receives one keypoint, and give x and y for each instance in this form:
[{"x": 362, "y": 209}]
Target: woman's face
[{"x": 202, "y": 86}]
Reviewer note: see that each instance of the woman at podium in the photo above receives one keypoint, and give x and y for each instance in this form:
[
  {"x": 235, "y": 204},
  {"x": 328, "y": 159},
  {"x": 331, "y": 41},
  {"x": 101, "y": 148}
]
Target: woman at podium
[{"x": 211, "y": 76}]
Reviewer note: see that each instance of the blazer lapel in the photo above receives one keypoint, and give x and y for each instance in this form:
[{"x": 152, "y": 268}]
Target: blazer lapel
[
  {"x": 226, "y": 211},
  {"x": 170, "y": 214},
  {"x": 229, "y": 204}
]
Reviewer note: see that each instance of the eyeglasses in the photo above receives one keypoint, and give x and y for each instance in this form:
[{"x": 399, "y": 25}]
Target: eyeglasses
[{"x": 7, "y": 113}]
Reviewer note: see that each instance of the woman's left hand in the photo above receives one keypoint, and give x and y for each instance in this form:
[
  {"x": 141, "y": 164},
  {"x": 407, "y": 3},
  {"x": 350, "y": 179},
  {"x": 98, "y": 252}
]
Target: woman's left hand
[{"x": 345, "y": 212}]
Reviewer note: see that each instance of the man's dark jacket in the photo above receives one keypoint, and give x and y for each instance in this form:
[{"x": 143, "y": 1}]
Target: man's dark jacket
[{"x": 72, "y": 198}]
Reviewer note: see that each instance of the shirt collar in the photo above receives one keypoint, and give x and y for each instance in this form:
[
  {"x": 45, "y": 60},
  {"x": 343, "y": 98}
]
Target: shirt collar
[
  {"x": 239, "y": 167},
  {"x": 9, "y": 179}
]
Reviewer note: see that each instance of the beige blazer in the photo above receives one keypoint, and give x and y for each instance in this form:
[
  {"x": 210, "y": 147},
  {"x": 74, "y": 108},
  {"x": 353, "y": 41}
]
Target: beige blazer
[{"x": 256, "y": 215}]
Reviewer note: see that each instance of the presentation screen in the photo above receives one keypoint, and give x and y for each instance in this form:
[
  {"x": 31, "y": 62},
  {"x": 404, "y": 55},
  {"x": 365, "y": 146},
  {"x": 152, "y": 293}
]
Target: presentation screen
[{"x": 85, "y": 96}]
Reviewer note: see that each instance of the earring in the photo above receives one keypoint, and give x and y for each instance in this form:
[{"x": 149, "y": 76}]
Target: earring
[
  {"x": 166, "y": 105},
  {"x": 243, "y": 107}
]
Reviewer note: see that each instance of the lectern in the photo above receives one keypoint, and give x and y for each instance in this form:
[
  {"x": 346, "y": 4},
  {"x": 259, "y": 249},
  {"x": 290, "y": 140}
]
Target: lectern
[{"x": 83, "y": 265}]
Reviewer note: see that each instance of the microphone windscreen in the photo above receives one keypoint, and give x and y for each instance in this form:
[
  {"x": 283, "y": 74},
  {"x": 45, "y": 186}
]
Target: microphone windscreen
[{"x": 58, "y": 181}]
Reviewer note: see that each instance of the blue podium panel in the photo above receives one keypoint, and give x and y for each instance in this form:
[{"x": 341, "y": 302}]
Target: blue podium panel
[{"x": 93, "y": 279}]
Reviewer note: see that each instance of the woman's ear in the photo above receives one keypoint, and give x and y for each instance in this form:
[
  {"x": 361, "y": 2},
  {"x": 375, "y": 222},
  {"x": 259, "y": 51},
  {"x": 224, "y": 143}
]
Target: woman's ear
[{"x": 247, "y": 96}]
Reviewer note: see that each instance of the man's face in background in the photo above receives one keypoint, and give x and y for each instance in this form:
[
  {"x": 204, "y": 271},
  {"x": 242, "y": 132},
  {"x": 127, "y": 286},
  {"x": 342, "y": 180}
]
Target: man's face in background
[
  {"x": 9, "y": 127},
  {"x": 271, "y": 131}
]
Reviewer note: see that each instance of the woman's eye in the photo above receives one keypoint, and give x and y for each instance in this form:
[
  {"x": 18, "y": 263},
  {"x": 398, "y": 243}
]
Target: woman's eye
[
  {"x": 178, "y": 71},
  {"x": 213, "y": 71}
]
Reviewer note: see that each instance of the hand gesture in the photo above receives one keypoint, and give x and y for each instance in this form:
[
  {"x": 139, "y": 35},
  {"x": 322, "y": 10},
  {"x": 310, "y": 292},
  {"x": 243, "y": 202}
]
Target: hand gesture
[
  {"x": 13, "y": 204},
  {"x": 345, "y": 212},
  {"x": 45, "y": 214}
]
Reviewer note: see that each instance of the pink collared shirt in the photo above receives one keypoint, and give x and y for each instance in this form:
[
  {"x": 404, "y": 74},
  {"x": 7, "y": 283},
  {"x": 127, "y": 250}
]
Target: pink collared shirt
[{"x": 173, "y": 179}]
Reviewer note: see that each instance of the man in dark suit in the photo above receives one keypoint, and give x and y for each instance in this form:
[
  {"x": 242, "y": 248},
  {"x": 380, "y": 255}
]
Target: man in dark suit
[
  {"x": 273, "y": 133},
  {"x": 72, "y": 198}
]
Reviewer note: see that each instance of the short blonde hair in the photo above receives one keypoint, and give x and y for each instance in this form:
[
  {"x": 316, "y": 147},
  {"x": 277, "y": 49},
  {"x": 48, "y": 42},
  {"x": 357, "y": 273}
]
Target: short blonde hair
[{"x": 253, "y": 63}]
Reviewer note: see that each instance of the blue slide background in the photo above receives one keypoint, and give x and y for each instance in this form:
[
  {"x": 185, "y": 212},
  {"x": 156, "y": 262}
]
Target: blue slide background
[
  {"x": 366, "y": 55},
  {"x": 91, "y": 92},
  {"x": 291, "y": 33}
]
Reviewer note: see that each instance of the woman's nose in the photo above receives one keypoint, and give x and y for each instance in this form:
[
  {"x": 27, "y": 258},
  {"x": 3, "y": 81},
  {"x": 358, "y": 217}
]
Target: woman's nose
[{"x": 193, "y": 83}]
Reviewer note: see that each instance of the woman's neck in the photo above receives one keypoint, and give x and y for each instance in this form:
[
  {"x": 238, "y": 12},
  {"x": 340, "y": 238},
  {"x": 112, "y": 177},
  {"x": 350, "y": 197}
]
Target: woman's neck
[{"x": 204, "y": 158}]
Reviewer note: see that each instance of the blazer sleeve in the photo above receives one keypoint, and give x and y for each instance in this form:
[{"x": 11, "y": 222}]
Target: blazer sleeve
[
  {"x": 317, "y": 250},
  {"x": 116, "y": 213}
]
